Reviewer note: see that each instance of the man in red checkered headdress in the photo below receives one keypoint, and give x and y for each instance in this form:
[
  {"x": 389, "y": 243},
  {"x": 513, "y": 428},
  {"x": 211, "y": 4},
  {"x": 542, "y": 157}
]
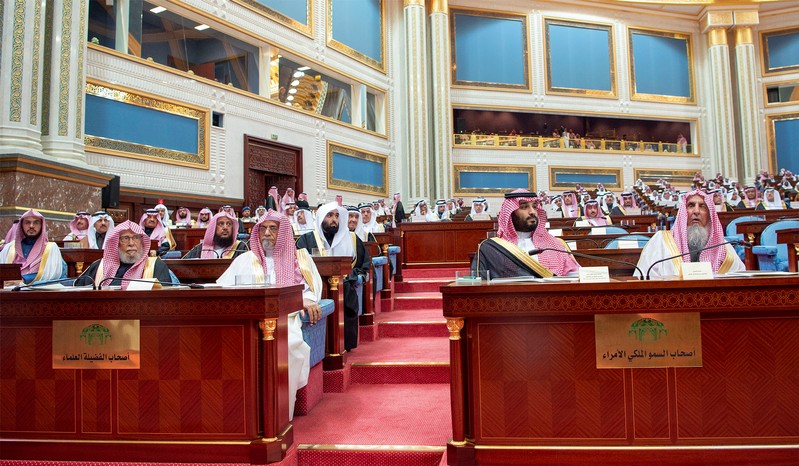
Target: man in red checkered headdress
[
  {"x": 274, "y": 260},
  {"x": 696, "y": 226},
  {"x": 220, "y": 240},
  {"x": 521, "y": 227},
  {"x": 39, "y": 259}
]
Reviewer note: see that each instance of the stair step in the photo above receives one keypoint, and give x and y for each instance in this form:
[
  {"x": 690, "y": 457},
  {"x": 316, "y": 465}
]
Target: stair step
[
  {"x": 423, "y": 300},
  {"x": 399, "y": 373},
  {"x": 398, "y": 329},
  {"x": 407, "y": 349},
  {"x": 437, "y": 273},
  {"x": 384, "y": 455},
  {"x": 411, "y": 286}
]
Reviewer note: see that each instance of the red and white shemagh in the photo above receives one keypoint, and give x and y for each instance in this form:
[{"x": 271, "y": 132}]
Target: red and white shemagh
[
  {"x": 558, "y": 263},
  {"x": 571, "y": 210},
  {"x": 12, "y": 233},
  {"x": 288, "y": 198},
  {"x": 31, "y": 263},
  {"x": 680, "y": 231},
  {"x": 208, "y": 245},
  {"x": 287, "y": 269},
  {"x": 73, "y": 225},
  {"x": 185, "y": 220},
  {"x": 111, "y": 254},
  {"x": 159, "y": 232},
  {"x": 273, "y": 192}
]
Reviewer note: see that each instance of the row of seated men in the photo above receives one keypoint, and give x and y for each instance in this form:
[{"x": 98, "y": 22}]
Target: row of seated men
[{"x": 273, "y": 258}]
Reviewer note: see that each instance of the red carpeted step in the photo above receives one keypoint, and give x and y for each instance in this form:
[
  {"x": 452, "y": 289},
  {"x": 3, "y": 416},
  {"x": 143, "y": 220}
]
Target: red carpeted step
[
  {"x": 441, "y": 273},
  {"x": 409, "y": 349},
  {"x": 412, "y": 315},
  {"x": 380, "y": 455},
  {"x": 400, "y": 329},
  {"x": 411, "y": 286},
  {"x": 423, "y": 300},
  {"x": 381, "y": 373}
]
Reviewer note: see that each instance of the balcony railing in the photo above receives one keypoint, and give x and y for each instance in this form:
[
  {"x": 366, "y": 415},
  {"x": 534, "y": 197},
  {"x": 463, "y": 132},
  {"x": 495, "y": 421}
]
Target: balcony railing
[{"x": 587, "y": 144}]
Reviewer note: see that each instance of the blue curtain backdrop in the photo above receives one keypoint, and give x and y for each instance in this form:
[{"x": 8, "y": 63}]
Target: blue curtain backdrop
[
  {"x": 490, "y": 50},
  {"x": 493, "y": 180},
  {"x": 139, "y": 125},
  {"x": 661, "y": 65},
  {"x": 294, "y": 9},
  {"x": 786, "y": 136},
  {"x": 783, "y": 50},
  {"x": 356, "y": 24},
  {"x": 357, "y": 170},
  {"x": 579, "y": 57}
]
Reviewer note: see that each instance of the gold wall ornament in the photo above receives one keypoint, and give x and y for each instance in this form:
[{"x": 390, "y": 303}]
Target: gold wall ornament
[
  {"x": 672, "y": 99},
  {"x": 765, "y": 64},
  {"x": 437, "y": 6},
  {"x": 351, "y": 186},
  {"x": 63, "y": 75},
  {"x": 378, "y": 64},
  {"x": 674, "y": 177},
  {"x": 554, "y": 171},
  {"x": 17, "y": 57},
  {"x": 457, "y": 169},
  {"x": 268, "y": 326},
  {"x": 744, "y": 36},
  {"x": 716, "y": 36},
  {"x": 407, "y": 3},
  {"x": 746, "y": 18},
  {"x": 84, "y": 7},
  {"x": 263, "y": 10},
  {"x": 771, "y": 136},
  {"x": 454, "y": 325},
  {"x": 334, "y": 281},
  {"x": 34, "y": 109}
]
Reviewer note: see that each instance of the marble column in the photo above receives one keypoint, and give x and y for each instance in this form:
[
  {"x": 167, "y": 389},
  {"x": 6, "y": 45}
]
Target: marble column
[
  {"x": 442, "y": 116},
  {"x": 721, "y": 110},
  {"x": 65, "y": 81},
  {"x": 417, "y": 158},
  {"x": 748, "y": 110},
  {"x": 22, "y": 36}
]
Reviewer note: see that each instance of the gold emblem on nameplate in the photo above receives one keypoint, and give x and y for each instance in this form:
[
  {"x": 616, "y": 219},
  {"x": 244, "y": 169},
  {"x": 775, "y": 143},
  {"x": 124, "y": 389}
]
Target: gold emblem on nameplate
[
  {"x": 96, "y": 344},
  {"x": 648, "y": 340}
]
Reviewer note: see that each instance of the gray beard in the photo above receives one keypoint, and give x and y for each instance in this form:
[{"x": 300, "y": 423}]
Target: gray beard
[
  {"x": 127, "y": 259},
  {"x": 697, "y": 239},
  {"x": 267, "y": 247}
]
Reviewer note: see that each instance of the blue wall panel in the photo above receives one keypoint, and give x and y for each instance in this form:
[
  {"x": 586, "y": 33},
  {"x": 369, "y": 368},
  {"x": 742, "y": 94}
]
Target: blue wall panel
[
  {"x": 786, "y": 135},
  {"x": 294, "y": 9},
  {"x": 783, "y": 50},
  {"x": 490, "y": 50},
  {"x": 125, "y": 122},
  {"x": 585, "y": 178},
  {"x": 494, "y": 180},
  {"x": 661, "y": 65},
  {"x": 356, "y": 24},
  {"x": 357, "y": 170},
  {"x": 579, "y": 57}
]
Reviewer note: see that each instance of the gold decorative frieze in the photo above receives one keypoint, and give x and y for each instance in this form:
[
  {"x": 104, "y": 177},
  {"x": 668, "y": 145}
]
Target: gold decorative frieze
[
  {"x": 17, "y": 49},
  {"x": 260, "y": 8},
  {"x": 715, "y": 19},
  {"x": 407, "y": 3},
  {"x": 63, "y": 75},
  {"x": 674, "y": 177},
  {"x": 34, "y": 109},
  {"x": 746, "y": 18},
  {"x": 84, "y": 6}
]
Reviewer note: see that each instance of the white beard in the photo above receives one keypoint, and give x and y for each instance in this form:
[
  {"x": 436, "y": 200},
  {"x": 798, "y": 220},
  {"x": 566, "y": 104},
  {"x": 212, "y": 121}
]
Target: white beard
[
  {"x": 267, "y": 247},
  {"x": 697, "y": 239}
]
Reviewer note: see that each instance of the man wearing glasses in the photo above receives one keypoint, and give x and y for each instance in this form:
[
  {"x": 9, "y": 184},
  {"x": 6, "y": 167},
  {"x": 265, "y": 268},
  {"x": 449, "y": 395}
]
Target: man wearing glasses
[{"x": 125, "y": 260}]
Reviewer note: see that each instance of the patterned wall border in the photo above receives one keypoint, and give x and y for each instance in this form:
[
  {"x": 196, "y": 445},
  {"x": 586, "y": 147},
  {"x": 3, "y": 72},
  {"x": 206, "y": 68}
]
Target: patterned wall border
[
  {"x": 764, "y": 35},
  {"x": 662, "y": 98},
  {"x": 674, "y": 177},
  {"x": 526, "y": 87},
  {"x": 557, "y": 170},
  {"x": 457, "y": 169},
  {"x": 350, "y": 186},
  {"x": 379, "y": 65},
  {"x": 260, "y": 8},
  {"x": 771, "y": 135},
  {"x": 611, "y": 94},
  {"x": 144, "y": 152}
]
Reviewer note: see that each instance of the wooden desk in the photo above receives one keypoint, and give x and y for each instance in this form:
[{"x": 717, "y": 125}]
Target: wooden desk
[
  {"x": 187, "y": 238},
  {"x": 615, "y": 269},
  {"x": 198, "y": 270},
  {"x": 79, "y": 259},
  {"x": 441, "y": 244},
  {"x": 790, "y": 237},
  {"x": 212, "y": 386},
  {"x": 9, "y": 272},
  {"x": 525, "y": 388},
  {"x": 770, "y": 215},
  {"x": 333, "y": 269}
]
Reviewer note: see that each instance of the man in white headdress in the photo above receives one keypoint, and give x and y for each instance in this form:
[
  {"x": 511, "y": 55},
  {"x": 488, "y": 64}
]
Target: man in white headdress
[
  {"x": 610, "y": 207},
  {"x": 99, "y": 225},
  {"x": 273, "y": 260},
  {"x": 441, "y": 212},
  {"x": 369, "y": 221},
  {"x": 78, "y": 227},
  {"x": 354, "y": 222},
  {"x": 39, "y": 259},
  {"x": 260, "y": 211},
  {"x": 593, "y": 215},
  {"x": 163, "y": 215},
  {"x": 421, "y": 213},
  {"x": 452, "y": 207},
  {"x": 771, "y": 200},
  {"x": 331, "y": 237},
  {"x": 397, "y": 211},
  {"x": 479, "y": 210},
  {"x": 303, "y": 218},
  {"x": 734, "y": 200}
]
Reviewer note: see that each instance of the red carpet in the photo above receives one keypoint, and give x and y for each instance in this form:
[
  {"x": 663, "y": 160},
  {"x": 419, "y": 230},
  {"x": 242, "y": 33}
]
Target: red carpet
[
  {"x": 444, "y": 273},
  {"x": 408, "y": 349}
]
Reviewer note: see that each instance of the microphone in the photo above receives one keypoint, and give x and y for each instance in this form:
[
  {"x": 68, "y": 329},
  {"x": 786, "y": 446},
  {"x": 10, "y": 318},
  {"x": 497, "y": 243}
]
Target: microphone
[
  {"x": 533, "y": 252},
  {"x": 735, "y": 242},
  {"x": 103, "y": 281},
  {"x": 50, "y": 282}
]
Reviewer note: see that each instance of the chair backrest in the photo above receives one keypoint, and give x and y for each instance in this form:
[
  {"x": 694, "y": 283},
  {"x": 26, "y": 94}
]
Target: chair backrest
[
  {"x": 769, "y": 235},
  {"x": 611, "y": 230},
  {"x": 732, "y": 228},
  {"x": 614, "y": 243}
]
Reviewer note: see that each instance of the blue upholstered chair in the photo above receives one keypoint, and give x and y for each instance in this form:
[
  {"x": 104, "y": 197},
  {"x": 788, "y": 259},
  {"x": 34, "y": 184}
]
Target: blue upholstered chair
[
  {"x": 613, "y": 230},
  {"x": 315, "y": 335},
  {"x": 377, "y": 266},
  {"x": 732, "y": 234},
  {"x": 770, "y": 254},
  {"x": 614, "y": 243},
  {"x": 393, "y": 251}
]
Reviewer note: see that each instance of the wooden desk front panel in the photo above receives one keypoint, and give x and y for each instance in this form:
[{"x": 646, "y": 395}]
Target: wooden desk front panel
[
  {"x": 195, "y": 382},
  {"x": 442, "y": 243}
]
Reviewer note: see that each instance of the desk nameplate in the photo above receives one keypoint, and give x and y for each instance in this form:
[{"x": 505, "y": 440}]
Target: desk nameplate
[
  {"x": 96, "y": 344},
  {"x": 648, "y": 340}
]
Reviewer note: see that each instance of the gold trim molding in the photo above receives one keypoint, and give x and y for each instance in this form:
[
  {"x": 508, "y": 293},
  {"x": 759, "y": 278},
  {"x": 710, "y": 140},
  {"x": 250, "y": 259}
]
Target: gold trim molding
[
  {"x": 407, "y": 3},
  {"x": 260, "y": 8},
  {"x": 438, "y": 6},
  {"x": 764, "y": 55},
  {"x": 675, "y": 177},
  {"x": 691, "y": 99},
  {"x": 744, "y": 36},
  {"x": 716, "y": 36},
  {"x": 771, "y": 136},
  {"x": 561, "y": 170},
  {"x": 350, "y": 186},
  {"x": 457, "y": 169},
  {"x": 379, "y": 65}
]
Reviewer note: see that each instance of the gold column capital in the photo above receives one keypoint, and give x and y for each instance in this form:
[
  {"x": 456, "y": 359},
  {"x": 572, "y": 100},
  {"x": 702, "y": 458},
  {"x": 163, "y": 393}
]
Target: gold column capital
[
  {"x": 717, "y": 36},
  {"x": 716, "y": 18},
  {"x": 333, "y": 281},
  {"x": 437, "y": 6},
  {"x": 746, "y": 18},
  {"x": 454, "y": 326},
  {"x": 744, "y": 35},
  {"x": 268, "y": 326},
  {"x": 407, "y": 3}
]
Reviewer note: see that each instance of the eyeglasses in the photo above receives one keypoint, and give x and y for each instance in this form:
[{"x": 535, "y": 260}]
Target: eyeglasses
[
  {"x": 271, "y": 228},
  {"x": 130, "y": 239}
]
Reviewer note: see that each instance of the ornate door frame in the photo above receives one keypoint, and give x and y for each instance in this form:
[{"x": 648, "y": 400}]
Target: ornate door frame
[{"x": 263, "y": 158}]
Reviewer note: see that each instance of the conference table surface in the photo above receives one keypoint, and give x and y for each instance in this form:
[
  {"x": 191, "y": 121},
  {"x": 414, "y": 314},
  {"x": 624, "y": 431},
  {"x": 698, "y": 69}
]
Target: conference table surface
[{"x": 526, "y": 389}]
